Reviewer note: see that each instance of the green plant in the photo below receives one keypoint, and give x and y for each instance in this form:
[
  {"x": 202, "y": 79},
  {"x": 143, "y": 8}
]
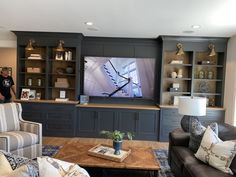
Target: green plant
[{"x": 117, "y": 135}]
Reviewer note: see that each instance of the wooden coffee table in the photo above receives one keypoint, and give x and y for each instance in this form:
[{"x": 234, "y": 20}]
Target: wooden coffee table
[{"x": 141, "y": 158}]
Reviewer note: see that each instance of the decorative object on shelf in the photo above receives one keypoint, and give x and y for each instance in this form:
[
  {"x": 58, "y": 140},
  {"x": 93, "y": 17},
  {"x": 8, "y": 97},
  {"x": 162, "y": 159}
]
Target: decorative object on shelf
[
  {"x": 68, "y": 55},
  {"x": 32, "y": 94},
  {"x": 176, "y": 62},
  {"x": 201, "y": 74},
  {"x": 35, "y": 56},
  {"x": 174, "y": 87},
  {"x": 29, "y": 46},
  {"x": 59, "y": 56},
  {"x": 60, "y": 46},
  {"x": 84, "y": 99},
  {"x": 210, "y": 75},
  {"x": 39, "y": 82},
  {"x": 180, "y": 73},
  {"x": 33, "y": 70},
  {"x": 62, "y": 83},
  {"x": 62, "y": 94},
  {"x": 212, "y": 102},
  {"x": 180, "y": 50},
  {"x": 205, "y": 62},
  {"x": 29, "y": 81},
  {"x": 38, "y": 96},
  {"x": 69, "y": 70},
  {"x": 212, "y": 50},
  {"x": 173, "y": 74},
  {"x": 60, "y": 70},
  {"x": 191, "y": 107},
  {"x": 203, "y": 87},
  {"x": 25, "y": 94},
  {"x": 117, "y": 138}
]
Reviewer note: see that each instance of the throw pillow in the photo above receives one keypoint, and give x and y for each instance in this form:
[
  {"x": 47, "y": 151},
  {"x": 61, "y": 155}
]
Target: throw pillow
[
  {"x": 5, "y": 167},
  {"x": 53, "y": 167},
  {"x": 19, "y": 172},
  {"x": 197, "y": 132},
  {"x": 215, "y": 152}
]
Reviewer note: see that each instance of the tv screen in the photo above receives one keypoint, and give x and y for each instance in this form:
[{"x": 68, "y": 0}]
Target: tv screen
[{"x": 119, "y": 77}]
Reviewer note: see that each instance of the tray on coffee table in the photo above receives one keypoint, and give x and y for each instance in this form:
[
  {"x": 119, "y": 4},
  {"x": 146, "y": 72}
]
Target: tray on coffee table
[{"x": 107, "y": 152}]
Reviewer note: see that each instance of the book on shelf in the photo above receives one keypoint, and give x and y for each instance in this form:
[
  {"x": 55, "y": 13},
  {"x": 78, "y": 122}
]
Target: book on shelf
[{"x": 62, "y": 99}]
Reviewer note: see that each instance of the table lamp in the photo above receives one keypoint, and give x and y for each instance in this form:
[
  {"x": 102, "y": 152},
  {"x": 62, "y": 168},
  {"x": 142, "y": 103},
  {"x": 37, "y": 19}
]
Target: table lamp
[{"x": 191, "y": 108}]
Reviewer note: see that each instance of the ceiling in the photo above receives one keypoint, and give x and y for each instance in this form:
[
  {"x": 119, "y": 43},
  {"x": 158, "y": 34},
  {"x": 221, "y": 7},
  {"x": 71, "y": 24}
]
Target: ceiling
[{"x": 121, "y": 18}]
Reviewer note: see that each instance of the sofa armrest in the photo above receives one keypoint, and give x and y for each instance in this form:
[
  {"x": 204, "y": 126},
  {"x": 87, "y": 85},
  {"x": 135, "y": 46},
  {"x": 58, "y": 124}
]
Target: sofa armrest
[
  {"x": 32, "y": 127},
  {"x": 177, "y": 138},
  {"x": 4, "y": 143}
]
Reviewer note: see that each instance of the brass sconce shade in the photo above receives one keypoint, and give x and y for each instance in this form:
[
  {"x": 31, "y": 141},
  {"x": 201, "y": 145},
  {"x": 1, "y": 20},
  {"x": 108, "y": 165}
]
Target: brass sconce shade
[
  {"x": 60, "y": 46},
  {"x": 30, "y": 45},
  {"x": 212, "y": 50},
  {"x": 180, "y": 50}
]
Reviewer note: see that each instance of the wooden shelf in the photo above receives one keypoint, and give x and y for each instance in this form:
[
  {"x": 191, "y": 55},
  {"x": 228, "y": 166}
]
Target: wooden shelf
[
  {"x": 177, "y": 92},
  {"x": 26, "y": 59},
  {"x": 209, "y": 80},
  {"x": 56, "y": 74},
  {"x": 70, "y": 88},
  {"x": 69, "y": 61},
  {"x": 179, "y": 65},
  {"x": 32, "y": 73},
  {"x": 176, "y": 79},
  {"x": 209, "y": 94},
  {"x": 35, "y": 87},
  {"x": 217, "y": 66}
]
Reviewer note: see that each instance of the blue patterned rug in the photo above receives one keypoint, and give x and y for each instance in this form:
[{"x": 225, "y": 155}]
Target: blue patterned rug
[
  {"x": 162, "y": 156},
  {"x": 50, "y": 150}
]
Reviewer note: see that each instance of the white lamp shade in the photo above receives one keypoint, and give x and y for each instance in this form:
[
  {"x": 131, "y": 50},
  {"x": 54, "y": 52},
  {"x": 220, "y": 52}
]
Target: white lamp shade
[{"x": 192, "y": 106}]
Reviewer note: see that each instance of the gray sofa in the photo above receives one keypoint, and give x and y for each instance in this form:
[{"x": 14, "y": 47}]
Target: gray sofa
[{"x": 182, "y": 161}]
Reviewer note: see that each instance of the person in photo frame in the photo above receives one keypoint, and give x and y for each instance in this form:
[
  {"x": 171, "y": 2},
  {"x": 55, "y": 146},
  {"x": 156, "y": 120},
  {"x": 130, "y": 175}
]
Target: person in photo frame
[{"x": 6, "y": 86}]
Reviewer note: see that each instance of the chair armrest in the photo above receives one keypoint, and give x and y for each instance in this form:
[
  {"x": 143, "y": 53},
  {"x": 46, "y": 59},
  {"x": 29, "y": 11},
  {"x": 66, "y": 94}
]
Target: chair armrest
[
  {"x": 4, "y": 144},
  {"x": 32, "y": 127}
]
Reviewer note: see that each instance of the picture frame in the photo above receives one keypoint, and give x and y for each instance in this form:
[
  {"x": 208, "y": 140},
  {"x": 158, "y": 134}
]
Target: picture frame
[
  {"x": 25, "y": 94},
  {"x": 32, "y": 94},
  {"x": 84, "y": 99}
]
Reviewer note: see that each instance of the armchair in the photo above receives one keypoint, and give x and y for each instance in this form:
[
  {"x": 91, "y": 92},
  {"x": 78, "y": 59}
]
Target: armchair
[{"x": 18, "y": 136}]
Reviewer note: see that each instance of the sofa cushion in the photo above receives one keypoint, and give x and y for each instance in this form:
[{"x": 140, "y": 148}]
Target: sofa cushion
[
  {"x": 181, "y": 155},
  {"x": 197, "y": 132},
  {"x": 202, "y": 170},
  {"x": 9, "y": 117},
  {"x": 20, "y": 139},
  {"x": 215, "y": 152}
]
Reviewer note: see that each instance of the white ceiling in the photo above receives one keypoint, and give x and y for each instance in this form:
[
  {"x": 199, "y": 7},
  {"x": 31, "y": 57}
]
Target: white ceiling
[{"x": 121, "y": 18}]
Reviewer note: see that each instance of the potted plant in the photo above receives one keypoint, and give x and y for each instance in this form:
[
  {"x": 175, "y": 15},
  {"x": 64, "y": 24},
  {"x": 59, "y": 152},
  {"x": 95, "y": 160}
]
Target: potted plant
[{"x": 117, "y": 138}]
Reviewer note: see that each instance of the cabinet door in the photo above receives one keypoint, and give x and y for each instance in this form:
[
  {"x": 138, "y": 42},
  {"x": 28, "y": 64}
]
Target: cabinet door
[
  {"x": 87, "y": 123},
  {"x": 170, "y": 120},
  {"x": 147, "y": 125},
  {"x": 106, "y": 120},
  {"x": 128, "y": 121}
]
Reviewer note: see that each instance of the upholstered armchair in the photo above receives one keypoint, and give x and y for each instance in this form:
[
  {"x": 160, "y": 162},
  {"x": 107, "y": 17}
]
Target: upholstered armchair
[{"x": 18, "y": 136}]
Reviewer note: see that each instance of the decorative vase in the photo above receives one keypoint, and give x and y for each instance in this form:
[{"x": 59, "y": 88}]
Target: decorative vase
[{"x": 117, "y": 145}]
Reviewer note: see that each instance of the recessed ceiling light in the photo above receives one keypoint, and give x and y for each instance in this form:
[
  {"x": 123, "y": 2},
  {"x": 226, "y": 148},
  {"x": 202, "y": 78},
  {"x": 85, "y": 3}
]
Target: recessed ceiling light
[
  {"x": 188, "y": 31},
  {"x": 89, "y": 23},
  {"x": 196, "y": 26}
]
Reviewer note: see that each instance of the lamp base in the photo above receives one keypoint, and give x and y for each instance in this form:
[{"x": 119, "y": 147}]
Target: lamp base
[{"x": 186, "y": 122}]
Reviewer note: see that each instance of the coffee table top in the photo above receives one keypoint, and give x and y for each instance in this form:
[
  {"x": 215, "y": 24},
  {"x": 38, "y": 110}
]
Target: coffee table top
[{"x": 141, "y": 158}]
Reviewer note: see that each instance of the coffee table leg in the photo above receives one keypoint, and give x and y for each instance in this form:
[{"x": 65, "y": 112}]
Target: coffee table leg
[{"x": 155, "y": 173}]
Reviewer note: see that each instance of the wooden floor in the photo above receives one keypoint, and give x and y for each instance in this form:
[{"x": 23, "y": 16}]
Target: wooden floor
[{"x": 60, "y": 141}]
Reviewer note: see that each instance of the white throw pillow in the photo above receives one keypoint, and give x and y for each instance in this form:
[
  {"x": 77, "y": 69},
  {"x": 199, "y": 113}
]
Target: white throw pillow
[
  {"x": 57, "y": 168},
  {"x": 5, "y": 167},
  {"x": 19, "y": 172},
  {"x": 217, "y": 153}
]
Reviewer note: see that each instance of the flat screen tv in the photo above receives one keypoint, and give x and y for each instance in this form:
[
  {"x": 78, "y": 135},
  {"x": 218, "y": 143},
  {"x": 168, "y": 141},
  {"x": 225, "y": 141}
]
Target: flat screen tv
[{"x": 119, "y": 77}]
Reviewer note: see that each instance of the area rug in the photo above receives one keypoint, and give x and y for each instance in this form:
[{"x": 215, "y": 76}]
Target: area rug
[
  {"x": 162, "y": 156},
  {"x": 50, "y": 150}
]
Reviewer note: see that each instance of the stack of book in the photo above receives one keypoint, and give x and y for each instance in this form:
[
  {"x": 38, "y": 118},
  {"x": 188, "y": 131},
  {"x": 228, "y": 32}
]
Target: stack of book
[
  {"x": 35, "y": 57},
  {"x": 62, "y": 83}
]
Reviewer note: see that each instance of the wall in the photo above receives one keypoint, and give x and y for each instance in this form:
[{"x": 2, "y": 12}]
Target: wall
[
  {"x": 8, "y": 58},
  {"x": 230, "y": 83},
  {"x": 7, "y": 39}
]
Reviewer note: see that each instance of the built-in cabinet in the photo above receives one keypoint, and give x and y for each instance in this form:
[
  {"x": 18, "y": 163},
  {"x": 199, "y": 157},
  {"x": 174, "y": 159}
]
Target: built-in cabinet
[
  {"x": 194, "y": 72},
  {"x": 143, "y": 123},
  {"x": 45, "y": 68}
]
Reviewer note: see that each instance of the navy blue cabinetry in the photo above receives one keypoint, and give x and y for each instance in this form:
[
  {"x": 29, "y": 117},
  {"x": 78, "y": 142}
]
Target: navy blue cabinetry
[
  {"x": 57, "y": 119},
  {"x": 143, "y": 123}
]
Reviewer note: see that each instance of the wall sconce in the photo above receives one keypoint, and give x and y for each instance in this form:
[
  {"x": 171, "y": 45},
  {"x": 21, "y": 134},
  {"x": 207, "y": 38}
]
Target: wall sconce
[
  {"x": 30, "y": 45},
  {"x": 212, "y": 50},
  {"x": 60, "y": 46},
  {"x": 180, "y": 50}
]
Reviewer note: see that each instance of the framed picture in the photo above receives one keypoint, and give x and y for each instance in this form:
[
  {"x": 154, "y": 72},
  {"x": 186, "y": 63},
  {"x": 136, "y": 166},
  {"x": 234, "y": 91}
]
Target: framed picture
[
  {"x": 25, "y": 94},
  {"x": 32, "y": 94},
  {"x": 9, "y": 70},
  {"x": 84, "y": 99}
]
